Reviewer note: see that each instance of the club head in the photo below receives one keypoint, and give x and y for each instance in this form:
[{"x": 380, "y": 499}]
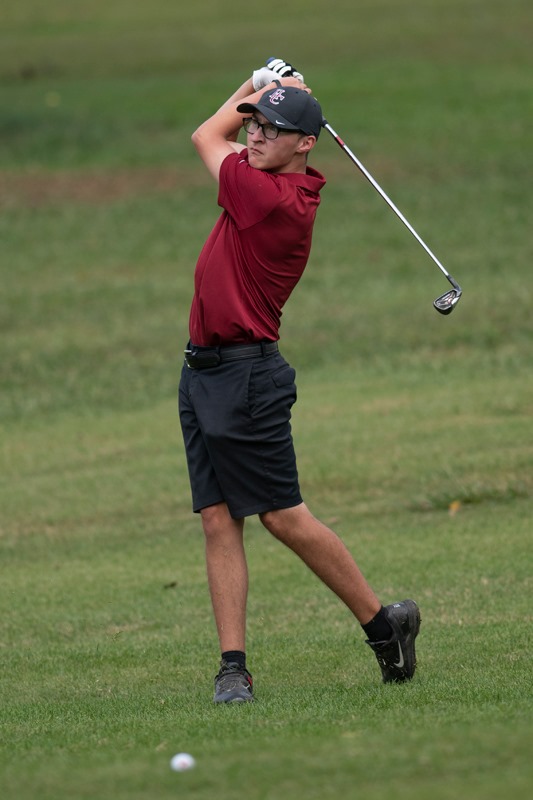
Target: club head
[{"x": 447, "y": 301}]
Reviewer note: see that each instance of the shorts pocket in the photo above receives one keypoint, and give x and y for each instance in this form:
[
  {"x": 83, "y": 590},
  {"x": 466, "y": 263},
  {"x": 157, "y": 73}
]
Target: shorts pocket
[
  {"x": 269, "y": 389},
  {"x": 284, "y": 376}
]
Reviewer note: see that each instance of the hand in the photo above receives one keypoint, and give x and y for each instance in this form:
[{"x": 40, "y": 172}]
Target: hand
[
  {"x": 275, "y": 69},
  {"x": 283, "y": 68},
  {"x": 262, "y": 77}
]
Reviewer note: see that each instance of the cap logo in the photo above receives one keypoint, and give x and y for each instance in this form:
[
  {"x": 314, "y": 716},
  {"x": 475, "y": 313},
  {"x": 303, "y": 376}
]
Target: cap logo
[{"x": 277, "y": 96}]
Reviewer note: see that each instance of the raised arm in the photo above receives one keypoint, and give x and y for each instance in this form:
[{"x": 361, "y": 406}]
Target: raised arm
[{"x": 216, "y": 138}]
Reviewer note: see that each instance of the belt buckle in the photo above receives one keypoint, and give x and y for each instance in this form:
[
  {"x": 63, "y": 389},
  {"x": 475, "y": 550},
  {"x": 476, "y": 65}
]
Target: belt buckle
[
  {"x": 188, "y": 353},
  {"x": 196, "y": 359}
]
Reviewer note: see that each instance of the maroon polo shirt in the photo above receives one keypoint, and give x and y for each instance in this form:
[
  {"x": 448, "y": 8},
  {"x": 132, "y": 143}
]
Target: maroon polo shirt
[{"x": 255, "y": 254}]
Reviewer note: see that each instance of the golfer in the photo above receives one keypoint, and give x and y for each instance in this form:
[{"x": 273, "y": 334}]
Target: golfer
[{"x": 237, "y": 390}]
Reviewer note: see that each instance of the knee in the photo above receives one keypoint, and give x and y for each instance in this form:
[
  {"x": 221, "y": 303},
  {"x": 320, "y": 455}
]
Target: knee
[
  {"x": 288, "y": 525},
  {"x": 276, "y": 523},
  {"x": 219, "y": 526},
  {"x": 214, "y": 519},
  {"x": 268, "y": 519}
]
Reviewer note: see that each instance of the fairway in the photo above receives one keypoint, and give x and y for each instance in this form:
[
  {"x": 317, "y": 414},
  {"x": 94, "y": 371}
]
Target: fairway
[{"x": 413, "y": 430}]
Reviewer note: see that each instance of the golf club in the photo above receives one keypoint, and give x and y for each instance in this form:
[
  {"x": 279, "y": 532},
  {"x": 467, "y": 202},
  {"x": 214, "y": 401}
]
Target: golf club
[{"x": 447, "y": 301}]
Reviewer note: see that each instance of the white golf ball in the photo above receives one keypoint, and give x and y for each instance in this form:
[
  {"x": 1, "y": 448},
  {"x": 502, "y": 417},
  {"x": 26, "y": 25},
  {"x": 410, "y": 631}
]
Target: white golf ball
[{"x": 181, "y": 762}]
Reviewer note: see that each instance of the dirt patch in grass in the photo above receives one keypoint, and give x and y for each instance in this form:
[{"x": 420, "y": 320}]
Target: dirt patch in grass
[{"x": 38, "y": 188}]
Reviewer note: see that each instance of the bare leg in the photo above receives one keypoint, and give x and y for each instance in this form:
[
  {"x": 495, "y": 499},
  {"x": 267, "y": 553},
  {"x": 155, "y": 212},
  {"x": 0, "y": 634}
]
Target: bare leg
[
  {"x": 326, "y": 555},
  {"x": 227, "y": 575}
]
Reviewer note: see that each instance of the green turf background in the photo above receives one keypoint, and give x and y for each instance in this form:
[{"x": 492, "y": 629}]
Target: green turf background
[{"x": 413, "y": 430}]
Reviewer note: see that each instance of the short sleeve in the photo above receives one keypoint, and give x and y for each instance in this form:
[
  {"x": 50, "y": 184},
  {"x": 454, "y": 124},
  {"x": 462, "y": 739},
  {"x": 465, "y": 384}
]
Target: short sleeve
[{"x": 247, "y": 194}]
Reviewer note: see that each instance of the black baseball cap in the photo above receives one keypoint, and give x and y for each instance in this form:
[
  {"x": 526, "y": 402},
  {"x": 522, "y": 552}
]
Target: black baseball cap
[{"x": 288, "y": 108}]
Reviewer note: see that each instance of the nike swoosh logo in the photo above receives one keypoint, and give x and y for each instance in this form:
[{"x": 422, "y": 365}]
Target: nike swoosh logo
[
  {"x": 279, "y": 123},
  {"x": 401, "y": 662}
]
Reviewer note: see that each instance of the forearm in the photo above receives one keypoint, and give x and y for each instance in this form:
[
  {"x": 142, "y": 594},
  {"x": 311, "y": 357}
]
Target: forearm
[
  {"x": 227, "y": 122},
  {"x": 242, "y": 92},
  {"x": 217, "y": 137}
]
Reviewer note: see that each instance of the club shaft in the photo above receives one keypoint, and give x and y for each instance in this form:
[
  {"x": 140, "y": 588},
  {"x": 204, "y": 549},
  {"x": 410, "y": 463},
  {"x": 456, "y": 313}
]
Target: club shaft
[{"x": 387, "y": 199}]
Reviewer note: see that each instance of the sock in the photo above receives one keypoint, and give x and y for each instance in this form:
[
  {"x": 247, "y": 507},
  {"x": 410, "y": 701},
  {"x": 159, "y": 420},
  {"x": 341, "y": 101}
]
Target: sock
[
  {"x": 378, "y": 629},
  {"x": 235, "y": 657}
]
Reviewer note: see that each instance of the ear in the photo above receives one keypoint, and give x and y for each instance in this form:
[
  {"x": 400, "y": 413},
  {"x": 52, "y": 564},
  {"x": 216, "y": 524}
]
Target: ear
[{"x": 306, "y": 143}]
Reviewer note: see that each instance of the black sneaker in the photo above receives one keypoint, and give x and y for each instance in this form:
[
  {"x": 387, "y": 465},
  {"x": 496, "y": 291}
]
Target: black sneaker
[
  {"x": 233, "y": 684},
  {"x": 397, "y": 657}
]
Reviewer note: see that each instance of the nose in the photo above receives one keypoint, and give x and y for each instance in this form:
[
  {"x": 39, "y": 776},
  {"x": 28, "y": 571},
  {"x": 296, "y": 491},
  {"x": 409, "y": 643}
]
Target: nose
[{"x": 258, "y": 135}]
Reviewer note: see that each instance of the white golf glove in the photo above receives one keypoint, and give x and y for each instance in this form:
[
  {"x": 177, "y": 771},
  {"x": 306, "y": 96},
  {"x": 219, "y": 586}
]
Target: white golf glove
[
  {"x": 283, "y": 68},
  {"x": 276, "y": 68},
  {"x": 262, "y": 77}
]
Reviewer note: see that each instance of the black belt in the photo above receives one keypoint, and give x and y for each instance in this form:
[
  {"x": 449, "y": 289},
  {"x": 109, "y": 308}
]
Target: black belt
[{"x": 204, "y": 357}]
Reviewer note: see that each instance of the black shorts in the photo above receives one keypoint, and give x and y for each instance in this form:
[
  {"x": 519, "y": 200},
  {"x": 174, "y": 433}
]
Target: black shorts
[{"x": 235, "y": 419}]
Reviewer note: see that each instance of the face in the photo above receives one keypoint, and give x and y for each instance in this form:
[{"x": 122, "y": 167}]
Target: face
[{"x": 287, "y": 153}]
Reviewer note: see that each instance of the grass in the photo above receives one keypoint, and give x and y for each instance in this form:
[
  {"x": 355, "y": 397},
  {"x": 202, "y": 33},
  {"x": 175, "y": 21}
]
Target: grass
[{"x": 412, "y": 430}]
